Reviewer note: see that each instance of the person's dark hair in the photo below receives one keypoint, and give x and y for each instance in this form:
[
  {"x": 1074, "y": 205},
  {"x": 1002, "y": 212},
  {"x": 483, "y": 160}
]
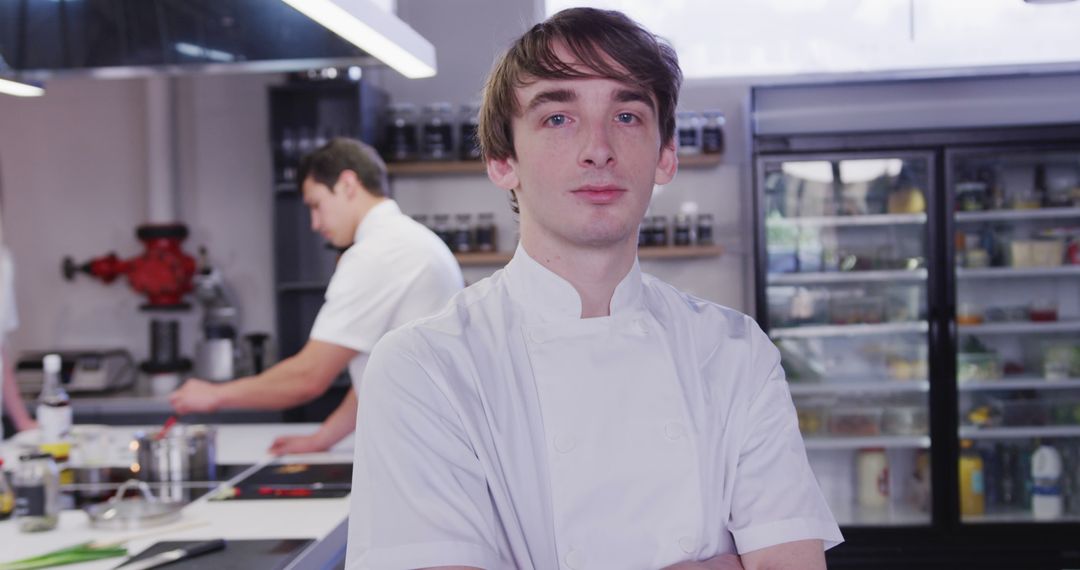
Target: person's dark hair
[
  {"x": 606, "y": 42},
  {"x": 326, "y": 164}
]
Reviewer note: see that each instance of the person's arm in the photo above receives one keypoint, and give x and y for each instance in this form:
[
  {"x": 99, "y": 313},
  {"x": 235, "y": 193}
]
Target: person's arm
[
  {"x": 340, "y": 424},
  {"x": 13, "y": 402},
  {"x": 291, "y": 382},
  {"x": 797, "y": 555}
]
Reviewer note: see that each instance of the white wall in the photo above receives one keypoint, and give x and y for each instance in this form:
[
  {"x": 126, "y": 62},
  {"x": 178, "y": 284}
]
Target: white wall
[{"x": 73, "y": 176}]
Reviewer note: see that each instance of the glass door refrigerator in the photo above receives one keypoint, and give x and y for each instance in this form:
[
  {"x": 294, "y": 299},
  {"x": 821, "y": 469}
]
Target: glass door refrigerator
[
  {"x": 1016, "y": 255},
  {"x": 844, "y": 288},
  {"x": 924, "y": 293}
]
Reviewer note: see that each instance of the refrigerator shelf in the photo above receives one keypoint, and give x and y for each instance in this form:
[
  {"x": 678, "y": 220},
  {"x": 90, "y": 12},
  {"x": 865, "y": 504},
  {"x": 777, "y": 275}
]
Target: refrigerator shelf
[
  {"x": 854, "y": 442},
  {"x": 917, "y": 275},
  {"x": 814, "y": 331},
  {"x": 874, "y": 386},
  {"x": 897, "y": 514},
  {"x": 1017, "y": 272},
  {"x": 1021, "y": 327},
  {"x": 837, "y": 221},
  {"x": 1018, "y": 516},
  {"x": 1016, "y": 215},
  {"x": 1020, "y": 383},
  {"x": 1019, "y": 432}
]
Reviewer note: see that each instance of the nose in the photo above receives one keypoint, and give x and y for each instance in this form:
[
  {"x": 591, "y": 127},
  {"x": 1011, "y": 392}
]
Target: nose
[{"x": 596, "y": 150}]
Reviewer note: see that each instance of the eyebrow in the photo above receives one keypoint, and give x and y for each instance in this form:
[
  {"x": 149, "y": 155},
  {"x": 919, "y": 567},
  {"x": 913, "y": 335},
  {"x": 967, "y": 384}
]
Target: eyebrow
[
  {"x": 552, "y": 96},
  {"x": 631, "y": 95}
]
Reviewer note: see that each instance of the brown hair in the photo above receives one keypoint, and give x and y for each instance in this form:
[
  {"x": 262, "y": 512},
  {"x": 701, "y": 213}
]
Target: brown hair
[
  {"x": 606, "y": 42},
  {"x": 326, "y": 164}
]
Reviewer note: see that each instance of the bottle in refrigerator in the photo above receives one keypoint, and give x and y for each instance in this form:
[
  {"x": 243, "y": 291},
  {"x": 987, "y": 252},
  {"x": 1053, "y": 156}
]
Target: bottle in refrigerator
[
  {"x": 972, "y": 488},
  {"x": 1046, "y": 499},
  {"x": 872, "y": 473},
  {"x": 54, "y": 405}
]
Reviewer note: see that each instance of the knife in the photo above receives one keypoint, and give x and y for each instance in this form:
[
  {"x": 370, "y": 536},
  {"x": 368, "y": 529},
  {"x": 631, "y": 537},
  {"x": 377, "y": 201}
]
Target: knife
[{"x": 170, "y": 556}]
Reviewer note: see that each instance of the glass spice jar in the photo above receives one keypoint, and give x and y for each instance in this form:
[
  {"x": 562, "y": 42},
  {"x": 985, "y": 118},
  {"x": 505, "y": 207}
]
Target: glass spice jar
[{"x": 437, "y": 142}]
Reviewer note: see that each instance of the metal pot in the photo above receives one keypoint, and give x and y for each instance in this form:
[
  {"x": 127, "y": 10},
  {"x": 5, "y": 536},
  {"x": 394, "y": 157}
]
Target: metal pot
[{"x": 186, "y": 453}]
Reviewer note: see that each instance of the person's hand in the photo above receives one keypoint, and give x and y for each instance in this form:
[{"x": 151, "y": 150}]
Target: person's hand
[
  {"x": 290, "y": 444},
  {"x": 718, "y": 562},
  {"x": 195, "y": 396}
]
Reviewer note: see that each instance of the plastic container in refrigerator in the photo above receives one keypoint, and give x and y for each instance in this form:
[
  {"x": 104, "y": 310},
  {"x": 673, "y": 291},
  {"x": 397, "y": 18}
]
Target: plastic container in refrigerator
[{"x": 855, "y": 421}]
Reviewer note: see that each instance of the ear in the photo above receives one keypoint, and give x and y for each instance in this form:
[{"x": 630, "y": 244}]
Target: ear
[
  {"x": 668, "y": 164},
  {"x": 503, "y": 172},
  {"x": 348, "y": 184}
]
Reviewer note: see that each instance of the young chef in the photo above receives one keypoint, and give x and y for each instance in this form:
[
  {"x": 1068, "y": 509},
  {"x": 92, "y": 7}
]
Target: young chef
[
  {"x": 12, "y": 406},
  {"x": 394, "y": 270},
  {"x": 571, "y": 411}
]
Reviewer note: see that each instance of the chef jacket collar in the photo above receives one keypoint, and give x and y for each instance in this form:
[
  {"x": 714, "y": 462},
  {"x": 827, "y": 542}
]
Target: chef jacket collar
[
  {"x": 384, "y": 209},
  {"x": 546, "y": 297}
]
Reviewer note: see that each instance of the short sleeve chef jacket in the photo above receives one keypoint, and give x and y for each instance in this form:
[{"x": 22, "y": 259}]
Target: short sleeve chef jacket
[
  {"x": 395, "y": 271},
  {"x": 507, "y": 432}
]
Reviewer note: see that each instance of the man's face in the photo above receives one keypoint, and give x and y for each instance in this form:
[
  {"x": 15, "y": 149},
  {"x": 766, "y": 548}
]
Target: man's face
[
  {"x": 330, "y": 212},
  {"x": 588, "y": 154}
]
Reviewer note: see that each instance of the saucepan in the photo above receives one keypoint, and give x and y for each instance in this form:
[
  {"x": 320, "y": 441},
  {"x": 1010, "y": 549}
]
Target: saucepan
[{"x": 184, "y": 454}]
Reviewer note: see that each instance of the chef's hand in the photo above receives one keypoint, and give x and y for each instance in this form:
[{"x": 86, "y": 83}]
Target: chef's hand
[
  {"x": 195, "y": 396},
  {"x": 718, "y": 562},
  {"x": 291, "y": 444}
]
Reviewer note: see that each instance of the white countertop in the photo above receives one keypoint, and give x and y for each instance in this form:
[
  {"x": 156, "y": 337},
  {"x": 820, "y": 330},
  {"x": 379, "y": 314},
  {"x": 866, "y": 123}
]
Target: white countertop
[{"x": 237, "y": 444}]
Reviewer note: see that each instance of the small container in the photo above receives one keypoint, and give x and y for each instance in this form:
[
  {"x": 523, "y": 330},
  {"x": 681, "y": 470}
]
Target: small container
[
  {"x": 872, "y": 473},
  {"x": 972, "y": 484},
  {"x": 400, "y": 139},
  {"x": 904, "y": 420},
  {"x": 37, "y": 493},
  {"x": 463, "y": 234},
  {"x": 855, "y": 421},
  {"x": 437, "y": 140},
  {"x": 682, "y": 230},
  {"x": 1043, "y": 311},
  {"x": 704, "y": 229},
  {"x": 977, "y": 366},
  {"x": 469, "y": 123},
  {"x": 7, "y": 496},
  {"x": 712, "y": 132},
  {"x": 658, "y": 237},
  {"x": 485, "y": 232},
  {"x": 442, "y": 229},
  {"x": 688, "y": 128}
]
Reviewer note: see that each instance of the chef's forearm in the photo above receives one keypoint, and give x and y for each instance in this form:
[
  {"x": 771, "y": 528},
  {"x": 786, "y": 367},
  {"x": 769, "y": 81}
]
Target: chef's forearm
[
  {"x": 289, "y": 383},
  {"x": 13, "y": 402},
  {"x": 340, "y": 423}
]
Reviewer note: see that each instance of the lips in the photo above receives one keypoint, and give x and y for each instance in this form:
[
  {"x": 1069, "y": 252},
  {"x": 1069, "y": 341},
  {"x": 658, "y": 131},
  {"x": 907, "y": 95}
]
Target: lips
[{"x": 600, "y": 194}]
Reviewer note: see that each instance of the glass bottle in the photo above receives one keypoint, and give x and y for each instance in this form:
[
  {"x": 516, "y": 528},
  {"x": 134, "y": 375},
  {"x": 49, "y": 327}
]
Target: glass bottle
[
  {"x": 469, "y": 126},
  {"x": 872, "y": 473},
  {"x": 705, "y": 229},
  {"x": 659, "y": 231},
  {"x": 485, "y": 232},
  {"x": 688, "y": 129},
  {"x": 442, "y": 229},
  {"x": 7, "y": 496},
  {"x": 400, "y": 142},
  {"x": 1046, "y": 500},
  {"x": 712, "y": 132},
  {"x": 37, "y": 493},
  {"x": 438, "y": 132},
  {"x": 463, "y": 238},
  {"x": 54, "y": 405}
]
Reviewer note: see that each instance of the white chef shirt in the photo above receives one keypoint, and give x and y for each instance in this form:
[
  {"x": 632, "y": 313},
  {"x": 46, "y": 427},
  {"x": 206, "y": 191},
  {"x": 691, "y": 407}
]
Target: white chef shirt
[
  {"x": 9, "y": 318},
  {"x": 395, "y": 271},
  {"x": 507, "y": 432}
]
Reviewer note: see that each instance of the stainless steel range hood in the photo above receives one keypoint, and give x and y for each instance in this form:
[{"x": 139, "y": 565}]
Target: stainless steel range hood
[{"x": 122, "y": 38}]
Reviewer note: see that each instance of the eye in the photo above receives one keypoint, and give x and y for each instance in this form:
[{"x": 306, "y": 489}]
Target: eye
[
  {"x": 556, "y": 120},
  {"x": 627, "y": 118}
]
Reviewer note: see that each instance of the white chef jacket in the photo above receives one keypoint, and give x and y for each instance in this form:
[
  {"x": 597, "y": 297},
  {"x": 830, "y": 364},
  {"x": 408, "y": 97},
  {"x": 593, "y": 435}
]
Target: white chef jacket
[
  {"x": 9, "y": 318},
  {"x": 508, "y": 432},
  {"x": 395, "y": 271}
]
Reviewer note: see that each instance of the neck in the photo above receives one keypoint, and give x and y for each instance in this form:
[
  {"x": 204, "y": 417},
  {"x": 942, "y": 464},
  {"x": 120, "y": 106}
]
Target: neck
[
  {"x": 594, "y": 272},
  {"x": 365, "y": 203}
]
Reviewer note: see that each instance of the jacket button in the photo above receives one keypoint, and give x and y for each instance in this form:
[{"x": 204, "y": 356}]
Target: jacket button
[
  {"x": 565, "y": 443},
  {"x": 674, "y": 430},
  {"x": 575, "y": 559},
  {"x": 686, "y": 544}
]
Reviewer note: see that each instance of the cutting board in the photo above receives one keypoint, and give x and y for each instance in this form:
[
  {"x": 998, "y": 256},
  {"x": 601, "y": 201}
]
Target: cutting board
[
  {"x": 269, "y": 554},
  {"x": 297, "y": 475}
]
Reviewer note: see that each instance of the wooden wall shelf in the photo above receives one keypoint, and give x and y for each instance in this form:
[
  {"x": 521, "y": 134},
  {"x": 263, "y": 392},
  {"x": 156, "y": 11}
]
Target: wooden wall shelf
[{"x": 672, "y": 252}]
